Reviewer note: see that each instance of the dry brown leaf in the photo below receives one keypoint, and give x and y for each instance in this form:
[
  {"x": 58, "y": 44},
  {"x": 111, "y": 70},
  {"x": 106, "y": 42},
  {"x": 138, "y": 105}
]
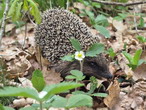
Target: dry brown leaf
[
  {"x": 9, "y": 27},
  {"x": 25, "y": 82},
  {"x": 52, "y": 77},
  {"x": 19, "y": 102},
  {"x": 119, "y": 26},
  {"x": 18, "y": 66},
  {"x": 112, "y": 99},
  {"x": 140, "y": 71},
  {"x": 135, "y": 98},
  {"x": 42, "y": 61}
]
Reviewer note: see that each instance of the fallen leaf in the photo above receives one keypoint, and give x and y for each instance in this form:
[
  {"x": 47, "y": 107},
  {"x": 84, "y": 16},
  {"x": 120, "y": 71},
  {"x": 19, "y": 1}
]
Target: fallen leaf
[{"x": 112, "y": 99}]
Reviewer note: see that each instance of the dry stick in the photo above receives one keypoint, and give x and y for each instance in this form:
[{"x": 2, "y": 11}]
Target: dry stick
[
  {"x": 25, "y": 36},
  {"x": 4, "y": 20},
  {"x": 31, "y": 20},
  {"x": 67, "y": 4},
  {"x": 120, "y": 4},
  {"x": 134, "y": 19}
]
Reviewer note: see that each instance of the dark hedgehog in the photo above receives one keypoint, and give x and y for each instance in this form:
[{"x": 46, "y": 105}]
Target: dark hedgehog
[{"x": 52, "y": 36}]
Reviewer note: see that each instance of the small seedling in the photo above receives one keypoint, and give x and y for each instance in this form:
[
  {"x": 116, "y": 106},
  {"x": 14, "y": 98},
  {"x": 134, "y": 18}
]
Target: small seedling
[
  {"x": 141, "y": 39},
  {"x": 76, "y": 74},
  {"x": 99, "y": 22},
  {"x": 111, "y": 53},
  {"x": 95, "y": 49},
  {"x": 134, "y": 61},
  {"x": 43, "y": 93},
  {"x": 93, "y": 85},
  {"x": 79, "y": 55}
]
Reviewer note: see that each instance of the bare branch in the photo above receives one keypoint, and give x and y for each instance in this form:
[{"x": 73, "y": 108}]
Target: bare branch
[
  {"x": 4, "y": 20},
  {"x": 120, "y": 4}
]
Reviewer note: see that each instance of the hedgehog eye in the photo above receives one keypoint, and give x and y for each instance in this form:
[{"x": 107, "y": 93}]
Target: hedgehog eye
[{"x": 93, "y": 63}]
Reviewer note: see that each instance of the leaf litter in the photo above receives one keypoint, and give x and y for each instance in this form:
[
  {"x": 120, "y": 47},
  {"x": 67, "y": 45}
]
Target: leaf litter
[{"x": 21, "y": 59}]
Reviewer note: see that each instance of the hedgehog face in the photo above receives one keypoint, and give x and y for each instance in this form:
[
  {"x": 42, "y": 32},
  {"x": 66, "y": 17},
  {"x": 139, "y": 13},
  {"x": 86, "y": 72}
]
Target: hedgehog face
[
  {"x": 96, "y": 66},
  {"x": 93, "y": 66}
]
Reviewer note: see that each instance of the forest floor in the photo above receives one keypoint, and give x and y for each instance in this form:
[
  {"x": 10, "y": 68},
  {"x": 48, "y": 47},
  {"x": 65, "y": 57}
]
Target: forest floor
[{"x": 19, "y": 58}]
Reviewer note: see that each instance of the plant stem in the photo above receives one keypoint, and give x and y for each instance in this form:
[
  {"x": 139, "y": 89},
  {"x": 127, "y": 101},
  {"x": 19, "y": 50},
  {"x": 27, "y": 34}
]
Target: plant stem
[
  {"x": 50, "y": 4},
  {"x": 4, "y": 20},
  {"x": 41, "y": 105},
  {"x": 67, "y": 4},
  {"x": 81, "y": 66}
]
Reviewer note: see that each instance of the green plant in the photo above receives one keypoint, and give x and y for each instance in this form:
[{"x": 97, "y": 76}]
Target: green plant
[
  {"x": 99, "y": 22},
  {"x": 111, "y": 53},
  {"x": 121, "y": 16},
  {"x": 141, "y": 22},
  {"x": 46, "y": 4},
  {"x": 134, "y": 61},
  {"x": 93, "y": 85},
  {"x": 95, "y": 49},
  {"x": 141, "y": 39},
  {"x": 2, "y": 7},
  {"x": 76, "y": 74},
  {"x": 44, "y": 93},
  {"x": 19, "y": 6}
]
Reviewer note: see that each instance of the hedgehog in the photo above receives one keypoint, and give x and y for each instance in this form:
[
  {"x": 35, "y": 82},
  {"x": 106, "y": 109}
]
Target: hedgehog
[{"x": 53, "y": 38}]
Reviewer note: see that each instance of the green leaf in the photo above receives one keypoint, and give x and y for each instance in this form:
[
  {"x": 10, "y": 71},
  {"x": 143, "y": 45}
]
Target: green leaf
[
  {"x": 19, "y": 91},
  {"x": 93, "y": 84},
  {"x": 61, "y": 3},
  {"x": 78, "y": 92},
  {"x": 121, "y": 16},
  {"x": 38, "y": 80},
  {"x": 101, "y": 20},
  {"x": 137, "y": 56},
  {"x": 1, "y": 107},
  {"x": 12, "y": 10},
  {"x": 95, "y": 4},
  {"x": 7, "y": 108},
  {"x": 141, "y": 61},
  {"x": 18, "y": 12},
  {"x": 141, "y": 24},
  {"x": 100, "y": 94},
  {"x": 28, "y": 108},
  {"x": 68, "y": 58},
  {"x": 59, "y": 102},
  {"x": 141, "y": 39},
  {"x": 128, "y": 56},
  {"x": 132, "y": 66},
  {"x": 79, "y": 100},
  {"x": 25, "y": 5},
  {"x": 78, "y": 75},
  {"x": 35, "y": 11},
  {"x": 70, "y": 77},
  {"x": 111, "y": 53},
  {"x": 59, "y": 88},
  {"x": 95, "y": 49},
  {"x": 90, "y": 14},
  {"x": 86, "y": 3},
  {"x": 76, "y": 44},
  {"x": 102, "y": 31}
]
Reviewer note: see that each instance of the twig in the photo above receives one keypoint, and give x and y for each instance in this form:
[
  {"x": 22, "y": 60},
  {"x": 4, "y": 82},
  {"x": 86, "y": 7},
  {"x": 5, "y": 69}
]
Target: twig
[
  {"x": 4, "y": 20},
  {"x": 25, "y": 35},
  {"x": 31, "y": 20},
  {"x": 50, "y": 4},
  {"x": 67, "y": 4},
  {"x": 120, "y": 4},
  {"x": 134, "y": 19}
]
